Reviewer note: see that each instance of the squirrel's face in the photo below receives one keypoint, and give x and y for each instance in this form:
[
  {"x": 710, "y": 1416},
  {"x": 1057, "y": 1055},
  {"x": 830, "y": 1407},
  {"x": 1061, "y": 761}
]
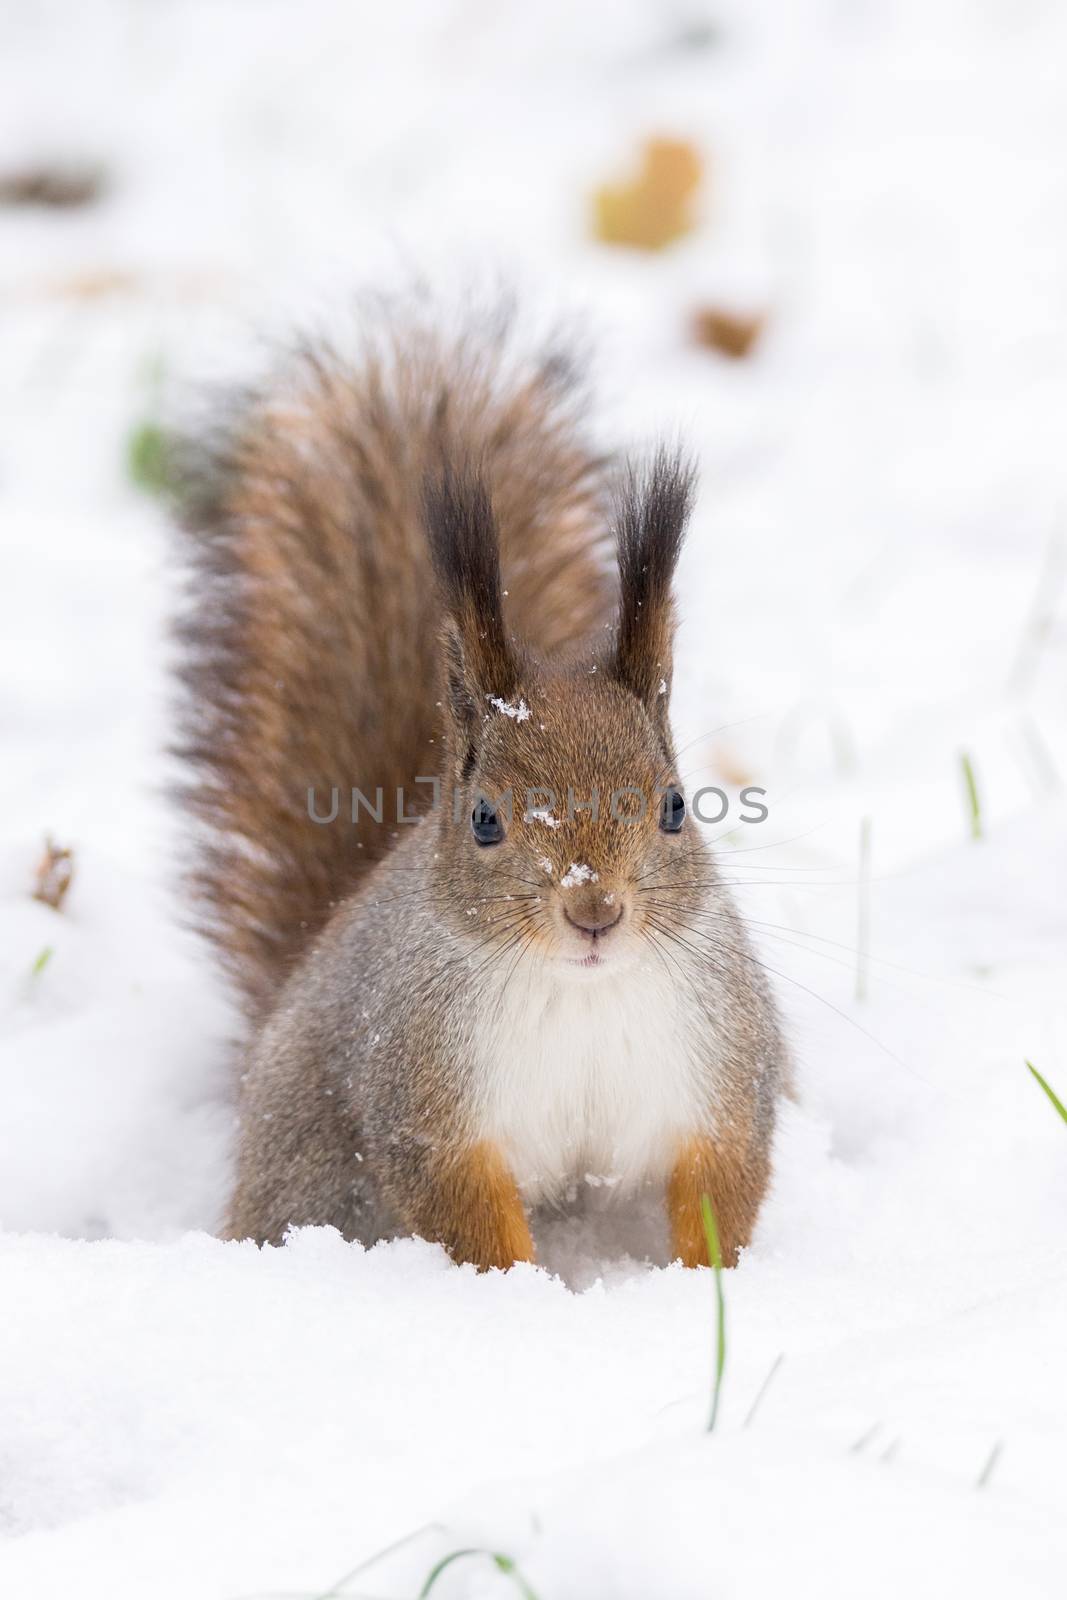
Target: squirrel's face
[
  {"x": 566, "y": 836},
  {"x": 571, "y": 842}
]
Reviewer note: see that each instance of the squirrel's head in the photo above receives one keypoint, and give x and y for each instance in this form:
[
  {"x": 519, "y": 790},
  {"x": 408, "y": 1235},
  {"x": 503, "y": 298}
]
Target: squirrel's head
[{"x": 565, "y": 825}]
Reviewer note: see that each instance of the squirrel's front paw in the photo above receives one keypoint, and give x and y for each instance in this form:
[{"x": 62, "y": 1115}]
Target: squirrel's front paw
[
  {"x": 472, "y": 1206},
  {"x": 734, "y": 1183}
]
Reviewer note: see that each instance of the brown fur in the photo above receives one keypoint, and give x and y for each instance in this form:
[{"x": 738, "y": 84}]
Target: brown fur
[
  {"x": 651, "y": 516},
  {"x": 474, "y": 1210},
  {"x": 310, "y": 637},
  {"x": 734, "y": 1177}
]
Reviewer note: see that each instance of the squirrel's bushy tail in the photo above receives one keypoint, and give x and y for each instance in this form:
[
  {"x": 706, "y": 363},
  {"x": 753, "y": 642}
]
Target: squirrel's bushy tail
[{"x": 309, "y": 636}]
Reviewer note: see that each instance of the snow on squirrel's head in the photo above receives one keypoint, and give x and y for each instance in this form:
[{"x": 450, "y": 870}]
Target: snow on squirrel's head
[{"x": 563, "y": 830}]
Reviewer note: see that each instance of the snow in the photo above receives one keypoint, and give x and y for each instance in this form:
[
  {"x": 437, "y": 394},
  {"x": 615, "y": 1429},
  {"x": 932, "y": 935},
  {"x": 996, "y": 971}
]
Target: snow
[
  {"x": 544, "y": 816},
  {"x": 519, "y": 711},
  {"x": 578, "y": 872},
  {"x": 873, "y": 585}
]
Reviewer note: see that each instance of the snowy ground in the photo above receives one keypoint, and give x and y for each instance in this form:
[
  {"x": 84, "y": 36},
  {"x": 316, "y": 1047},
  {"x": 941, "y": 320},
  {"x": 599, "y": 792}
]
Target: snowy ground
[{"x": 872, "y": 586}]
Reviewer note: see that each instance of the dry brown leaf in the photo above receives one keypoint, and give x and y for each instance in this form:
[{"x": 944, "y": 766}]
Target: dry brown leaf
[
  {"x": 59, "y": 187},
  {"x": 54, "y": 872},
  {"x": 656, "y": 206},
  {"x": 732, "y": 333}
]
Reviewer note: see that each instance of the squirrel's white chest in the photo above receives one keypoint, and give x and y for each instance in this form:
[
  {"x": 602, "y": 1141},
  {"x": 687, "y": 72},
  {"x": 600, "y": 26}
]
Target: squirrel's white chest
[{"x": 594, "y": 1083}]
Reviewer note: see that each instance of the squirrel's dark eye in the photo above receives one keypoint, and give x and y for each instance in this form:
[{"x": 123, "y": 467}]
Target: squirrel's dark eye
[
  {"x": 485, "y": 824},
  {"x": 672, "y": 814}
]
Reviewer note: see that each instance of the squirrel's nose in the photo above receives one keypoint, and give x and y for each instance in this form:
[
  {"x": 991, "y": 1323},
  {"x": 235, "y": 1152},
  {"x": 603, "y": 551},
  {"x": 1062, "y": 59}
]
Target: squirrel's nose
[{"x": 594, "y": 915}]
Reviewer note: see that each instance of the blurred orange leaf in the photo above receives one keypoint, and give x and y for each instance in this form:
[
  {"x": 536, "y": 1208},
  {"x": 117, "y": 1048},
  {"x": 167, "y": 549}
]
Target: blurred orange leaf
[{"x": 656, "y": 206}]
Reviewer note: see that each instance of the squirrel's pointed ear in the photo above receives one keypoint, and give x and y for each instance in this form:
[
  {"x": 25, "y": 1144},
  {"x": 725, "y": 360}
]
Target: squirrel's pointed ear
[
  {"x": 652, "y": 511},
  {"x": 464, "y": 545}
]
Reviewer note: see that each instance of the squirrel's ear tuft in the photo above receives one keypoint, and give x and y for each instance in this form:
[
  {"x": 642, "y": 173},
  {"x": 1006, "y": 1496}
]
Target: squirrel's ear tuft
[
  {"x": 464, "y": 545},
  {"x": 652, "y": 511}
]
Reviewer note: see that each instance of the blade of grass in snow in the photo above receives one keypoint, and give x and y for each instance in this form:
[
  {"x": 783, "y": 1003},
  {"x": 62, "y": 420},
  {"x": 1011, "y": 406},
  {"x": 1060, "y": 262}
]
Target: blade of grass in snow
[
  {"x": 1040, "y": 763},
  {"x": 149, "y": 462},
  {"x": 987, "y": 1471},
  {"x": 503, "y": 1564},
  {"x": 1050, "y": 1091},
  {"x": 864, "y": 1439},
  {"x": 711, "y": 1236},
  {"x": 762, "y": 1390},
  {"x": 42, "y": 961},
  {"x": 1042, "y": 617},
  {"x": 974, "y": 805},
  {"x": 340, "y": 1587}
]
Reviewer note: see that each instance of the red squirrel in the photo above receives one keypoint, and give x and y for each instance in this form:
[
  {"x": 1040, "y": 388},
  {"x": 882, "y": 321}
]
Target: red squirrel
[{"x": 401, "y": 572}]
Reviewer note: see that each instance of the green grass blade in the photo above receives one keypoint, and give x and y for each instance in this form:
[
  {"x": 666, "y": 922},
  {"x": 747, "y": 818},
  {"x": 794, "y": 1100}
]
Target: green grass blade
[
  {"x": 506, "y": 1564},
  {"x": 711, "y": 1236},
  {"x": 42, "y": 961},
  {"x": 442, "y": 1566},
  {"x": 338, "y": 1589},
  {"x": 150, "y": 458},
  {"x": 974, "y": 804},
  {"x": 502, "y": 1562},
  {"x": 1050, "y": 1091}
]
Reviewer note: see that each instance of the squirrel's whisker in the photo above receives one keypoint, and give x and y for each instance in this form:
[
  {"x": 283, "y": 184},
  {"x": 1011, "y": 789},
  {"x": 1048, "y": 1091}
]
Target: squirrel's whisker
[{"x": 788, "y": 978}]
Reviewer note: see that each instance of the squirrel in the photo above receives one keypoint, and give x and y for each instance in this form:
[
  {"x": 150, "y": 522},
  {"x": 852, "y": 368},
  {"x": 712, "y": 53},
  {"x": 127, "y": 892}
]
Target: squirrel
[{"x": 400, "y": 571}]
